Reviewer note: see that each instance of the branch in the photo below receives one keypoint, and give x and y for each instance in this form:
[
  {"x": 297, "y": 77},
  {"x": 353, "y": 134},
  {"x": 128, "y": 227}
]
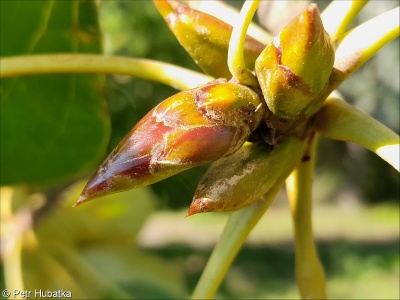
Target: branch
[
  {"x": 309, "y": 271},
  {"x": 237, "y": 228}
]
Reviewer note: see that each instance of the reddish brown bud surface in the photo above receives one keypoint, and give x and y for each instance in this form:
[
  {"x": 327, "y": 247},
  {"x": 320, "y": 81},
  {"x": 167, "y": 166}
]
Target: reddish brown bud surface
[{"x": 191, "y": 128}]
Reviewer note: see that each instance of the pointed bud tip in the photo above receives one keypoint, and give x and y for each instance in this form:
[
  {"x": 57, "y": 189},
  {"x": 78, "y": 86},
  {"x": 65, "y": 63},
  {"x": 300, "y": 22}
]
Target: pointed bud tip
[
  {"x": 197, "y": 206},
  {"x": 164, "y": 7},
  {"x": 313, "y": 8},
  {"x": 193, "y": 209},
  {"x": 82, "y": 199},
  {"x": 314, "y": 20}
]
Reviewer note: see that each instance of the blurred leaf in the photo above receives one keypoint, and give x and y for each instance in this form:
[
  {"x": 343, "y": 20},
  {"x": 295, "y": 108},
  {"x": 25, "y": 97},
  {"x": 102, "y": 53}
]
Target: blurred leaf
[
  {"x": 52, "y": 126},
  {"x": 111, "y": 219},
  {"x": 90, "y": 250}
]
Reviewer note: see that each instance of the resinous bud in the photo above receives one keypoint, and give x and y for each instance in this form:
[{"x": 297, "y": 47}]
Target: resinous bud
[
  {"x": 244, "y": 177},
  {"x": 205, "y": 38},
  {"x": 189, "y": 129},
  {"x": 295, "y": 67}
]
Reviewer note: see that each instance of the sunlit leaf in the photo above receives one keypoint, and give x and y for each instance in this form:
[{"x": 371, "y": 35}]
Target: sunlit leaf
[{"x": 52, "y": 126}]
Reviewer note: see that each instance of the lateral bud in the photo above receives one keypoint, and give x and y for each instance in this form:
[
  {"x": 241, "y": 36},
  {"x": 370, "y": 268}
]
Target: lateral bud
[
  {"x": 244, "y": 177},
  {"x": 205, "y": 38}
]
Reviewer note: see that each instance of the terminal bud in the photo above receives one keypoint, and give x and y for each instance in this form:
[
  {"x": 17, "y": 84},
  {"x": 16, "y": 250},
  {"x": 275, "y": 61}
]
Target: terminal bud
[
  {"x": 189, "y": 129},
  {"x": 295, "y": 67}
]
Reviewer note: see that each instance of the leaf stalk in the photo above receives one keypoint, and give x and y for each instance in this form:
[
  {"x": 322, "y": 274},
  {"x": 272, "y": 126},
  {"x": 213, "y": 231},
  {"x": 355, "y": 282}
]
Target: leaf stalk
[
  {"x": 236, "y": 230},
  {"x": 236, "y": 62},
  {"x": 177, "y": 77}
]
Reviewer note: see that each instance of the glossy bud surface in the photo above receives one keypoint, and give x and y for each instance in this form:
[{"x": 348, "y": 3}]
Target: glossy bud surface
[
  {"x": 189, "y": 129},
  {"x": 295, "y": 67},
  {"x": 205, "y": 38}
]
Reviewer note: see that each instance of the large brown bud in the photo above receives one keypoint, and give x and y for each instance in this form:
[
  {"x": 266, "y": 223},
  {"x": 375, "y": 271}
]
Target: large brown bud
[{"x": 189, "y": 129}]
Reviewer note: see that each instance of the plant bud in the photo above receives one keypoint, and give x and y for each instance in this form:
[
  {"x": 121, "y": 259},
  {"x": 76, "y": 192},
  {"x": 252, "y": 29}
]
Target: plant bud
[
  {"x": 205, "y": 38},
  {"x": 189, "y": 129},
  {"x": 295, "y": 67},
  {"x": 244, "y": 177}
]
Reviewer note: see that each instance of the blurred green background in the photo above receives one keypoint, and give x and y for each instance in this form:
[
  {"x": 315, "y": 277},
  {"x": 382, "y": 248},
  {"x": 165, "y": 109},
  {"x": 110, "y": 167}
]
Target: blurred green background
[{"x": 138, "y": 244}]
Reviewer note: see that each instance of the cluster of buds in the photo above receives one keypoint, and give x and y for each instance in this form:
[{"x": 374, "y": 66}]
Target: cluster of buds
[{"x": 213, "y": 122}]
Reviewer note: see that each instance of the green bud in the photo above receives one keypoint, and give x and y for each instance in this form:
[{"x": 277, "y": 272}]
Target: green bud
[
  {"x": 295, "y": 67},
  {"x": 244, "y": 177},
  {"x": 205, "y": 38}
]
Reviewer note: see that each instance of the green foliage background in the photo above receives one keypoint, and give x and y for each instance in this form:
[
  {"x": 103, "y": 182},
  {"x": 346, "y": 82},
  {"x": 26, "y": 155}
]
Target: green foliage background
[
  {"x": 56, "y": 129},
  {"x": 54, "y": 126}
]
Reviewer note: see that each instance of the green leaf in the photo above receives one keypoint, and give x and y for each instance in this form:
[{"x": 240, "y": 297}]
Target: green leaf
[{"x": 53, "y": 127}]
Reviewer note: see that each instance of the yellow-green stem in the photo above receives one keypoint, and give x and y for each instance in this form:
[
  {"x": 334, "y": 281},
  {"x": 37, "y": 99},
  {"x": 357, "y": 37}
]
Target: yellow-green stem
[
  {"x": 236, "y": 62},
  {"x": 339, "y": 14},
  {"x": 11, "y": 240},
  {"x": 236, "y": 230},
  {"x": 229, "y": 14},
  {"x": 177, "y": 77},
  {"x": 308, "y": 269}
]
